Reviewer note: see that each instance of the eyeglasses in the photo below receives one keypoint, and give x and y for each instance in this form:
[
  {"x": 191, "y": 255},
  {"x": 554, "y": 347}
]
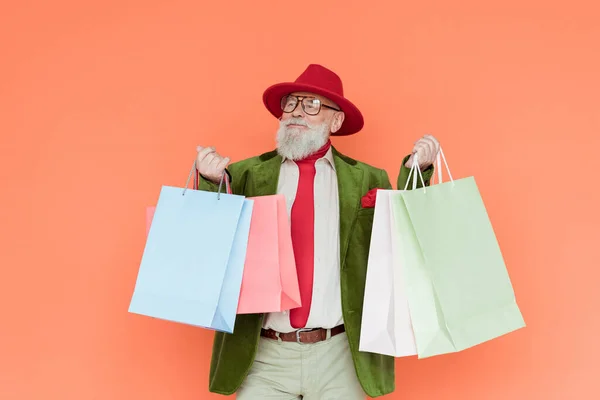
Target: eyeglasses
[{"x": 310, "y": 105}]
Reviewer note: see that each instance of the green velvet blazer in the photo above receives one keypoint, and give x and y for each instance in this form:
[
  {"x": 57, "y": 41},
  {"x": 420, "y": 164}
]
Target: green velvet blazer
[{"x": 233, "y": 354}]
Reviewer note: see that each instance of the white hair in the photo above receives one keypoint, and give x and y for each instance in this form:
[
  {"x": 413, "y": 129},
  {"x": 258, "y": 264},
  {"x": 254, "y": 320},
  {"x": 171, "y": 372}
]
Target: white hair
[{"x": 297, "y": 143}]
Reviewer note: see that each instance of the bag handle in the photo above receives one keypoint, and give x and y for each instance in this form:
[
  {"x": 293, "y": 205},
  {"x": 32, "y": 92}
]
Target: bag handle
[
  {"x": 224, "y": 177},
  {"x": 438, "y": 160},
  {"x": 440, "y": 156},
  {"x": 415, "y": 166}
]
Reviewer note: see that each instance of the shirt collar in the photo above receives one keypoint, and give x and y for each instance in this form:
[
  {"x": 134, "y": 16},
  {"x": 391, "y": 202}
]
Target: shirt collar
[{"x": 327, "y": 157}]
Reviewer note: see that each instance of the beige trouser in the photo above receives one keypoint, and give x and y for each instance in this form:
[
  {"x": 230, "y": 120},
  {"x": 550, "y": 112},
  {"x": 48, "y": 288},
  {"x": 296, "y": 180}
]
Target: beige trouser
[{"x": 315, "y": 371}]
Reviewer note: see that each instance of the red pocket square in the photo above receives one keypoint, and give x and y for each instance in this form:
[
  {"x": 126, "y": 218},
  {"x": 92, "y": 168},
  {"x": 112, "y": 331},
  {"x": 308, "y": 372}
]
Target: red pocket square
[{"x": 368, "y": 200}]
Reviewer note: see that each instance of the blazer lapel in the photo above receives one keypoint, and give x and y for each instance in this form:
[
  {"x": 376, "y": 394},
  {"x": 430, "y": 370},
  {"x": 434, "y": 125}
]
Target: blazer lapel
[
  {"x": 350, "y": 179},
  {"x": 265, "y": 176}
]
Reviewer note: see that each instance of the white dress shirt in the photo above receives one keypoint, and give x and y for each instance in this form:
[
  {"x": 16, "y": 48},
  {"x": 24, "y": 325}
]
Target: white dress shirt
[{"x": 326, "y": 306}]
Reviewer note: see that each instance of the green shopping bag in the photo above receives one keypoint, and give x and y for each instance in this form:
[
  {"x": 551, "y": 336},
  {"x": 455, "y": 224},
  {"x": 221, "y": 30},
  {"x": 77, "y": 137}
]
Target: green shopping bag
[{"x": 458, "y": 289}]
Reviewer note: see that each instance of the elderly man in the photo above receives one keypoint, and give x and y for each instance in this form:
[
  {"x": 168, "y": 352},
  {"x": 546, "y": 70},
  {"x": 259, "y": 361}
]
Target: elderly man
[{"x": 310, "y": 352}]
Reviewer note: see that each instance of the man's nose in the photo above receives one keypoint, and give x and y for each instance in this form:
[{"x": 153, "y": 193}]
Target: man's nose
[{"x": 298, "y": 111}]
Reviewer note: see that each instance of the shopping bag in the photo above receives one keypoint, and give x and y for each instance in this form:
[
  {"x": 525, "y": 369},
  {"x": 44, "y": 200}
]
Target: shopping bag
[
  {"x": 192, "y": 265},
  {"x": 270, "y": 281},
  {"x": 386, "y": 326},
  {"x": 457, "y": 285},
  {"x": 150, "y": 209}
]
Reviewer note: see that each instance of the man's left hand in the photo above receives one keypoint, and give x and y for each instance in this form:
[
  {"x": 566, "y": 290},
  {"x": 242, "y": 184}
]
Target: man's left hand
[{"x": 426, "y": 150}]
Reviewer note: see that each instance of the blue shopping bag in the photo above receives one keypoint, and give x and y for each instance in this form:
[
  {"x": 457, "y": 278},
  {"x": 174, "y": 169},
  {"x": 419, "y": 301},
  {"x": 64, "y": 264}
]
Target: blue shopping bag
[{"x": 192, "y": 266}]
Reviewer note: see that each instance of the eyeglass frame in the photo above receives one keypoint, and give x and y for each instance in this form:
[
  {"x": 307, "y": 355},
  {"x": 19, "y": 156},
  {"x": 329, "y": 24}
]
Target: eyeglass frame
[{"x": 300, "y": 101}]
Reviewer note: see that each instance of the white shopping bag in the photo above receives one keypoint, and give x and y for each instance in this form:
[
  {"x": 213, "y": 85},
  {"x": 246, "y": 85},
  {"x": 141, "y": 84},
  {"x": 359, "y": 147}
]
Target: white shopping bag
[{"x": 386, "y": 326}]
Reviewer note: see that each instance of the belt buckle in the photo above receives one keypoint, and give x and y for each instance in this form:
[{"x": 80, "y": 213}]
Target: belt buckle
[{"x": 298, "y": 334}]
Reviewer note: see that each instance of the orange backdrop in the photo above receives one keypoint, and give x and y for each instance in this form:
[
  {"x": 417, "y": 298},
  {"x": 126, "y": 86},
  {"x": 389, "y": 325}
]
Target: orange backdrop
[{"x": 102, "y": 102}]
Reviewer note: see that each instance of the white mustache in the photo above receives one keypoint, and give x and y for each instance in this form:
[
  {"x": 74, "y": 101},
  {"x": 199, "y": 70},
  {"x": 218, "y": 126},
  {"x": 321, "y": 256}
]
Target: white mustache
[{"x": 295, "y": 121}]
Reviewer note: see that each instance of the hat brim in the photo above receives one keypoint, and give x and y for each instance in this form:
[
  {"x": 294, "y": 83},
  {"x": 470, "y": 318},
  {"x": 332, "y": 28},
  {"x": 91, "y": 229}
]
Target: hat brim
[{"x": 353, "y": 119}]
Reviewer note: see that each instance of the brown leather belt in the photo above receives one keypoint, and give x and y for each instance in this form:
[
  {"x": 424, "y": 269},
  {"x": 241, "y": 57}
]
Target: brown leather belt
[{"x": 302, "y": 336}]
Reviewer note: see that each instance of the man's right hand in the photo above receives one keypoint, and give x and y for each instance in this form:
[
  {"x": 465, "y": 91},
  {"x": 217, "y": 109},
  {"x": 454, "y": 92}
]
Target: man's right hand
[{"x": 210, "y": 164}]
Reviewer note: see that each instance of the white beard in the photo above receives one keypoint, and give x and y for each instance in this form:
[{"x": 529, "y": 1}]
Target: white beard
[{"x": 295, "y": 143}]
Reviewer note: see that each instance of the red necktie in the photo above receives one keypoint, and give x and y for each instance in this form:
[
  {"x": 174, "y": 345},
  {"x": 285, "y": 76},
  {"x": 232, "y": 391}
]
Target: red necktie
[{"x": 303, "y": 238}]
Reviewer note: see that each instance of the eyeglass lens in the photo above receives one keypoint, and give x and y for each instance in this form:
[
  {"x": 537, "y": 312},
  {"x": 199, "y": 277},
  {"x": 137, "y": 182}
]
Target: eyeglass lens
[{"x": 310, "y": 105}]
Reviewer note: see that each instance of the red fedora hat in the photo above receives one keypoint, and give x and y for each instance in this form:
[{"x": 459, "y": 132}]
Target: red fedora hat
[{"x": 320, "y": 80}]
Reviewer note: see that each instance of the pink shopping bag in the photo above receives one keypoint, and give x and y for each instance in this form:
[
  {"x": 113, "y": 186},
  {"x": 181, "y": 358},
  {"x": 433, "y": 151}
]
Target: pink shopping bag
[
  {"x": 149, "y": 216},
  {"x": 270, "y": 280}
]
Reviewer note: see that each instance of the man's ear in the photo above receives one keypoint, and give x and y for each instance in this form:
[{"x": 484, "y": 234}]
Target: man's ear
[{"x": 338, "y": 120}]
